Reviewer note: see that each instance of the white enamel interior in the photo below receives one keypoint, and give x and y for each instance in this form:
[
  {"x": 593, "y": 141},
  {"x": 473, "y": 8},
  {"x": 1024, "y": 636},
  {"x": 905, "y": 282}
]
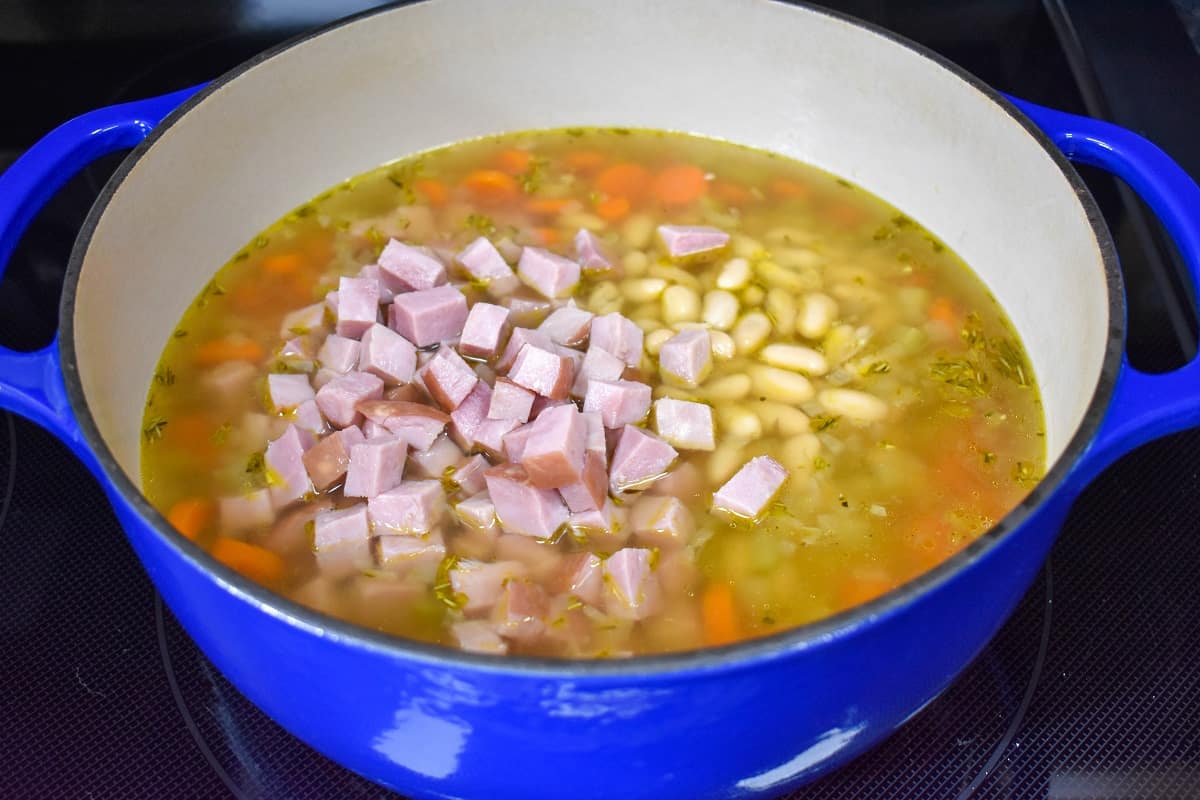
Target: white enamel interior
[{"x": 752, "y": 71}]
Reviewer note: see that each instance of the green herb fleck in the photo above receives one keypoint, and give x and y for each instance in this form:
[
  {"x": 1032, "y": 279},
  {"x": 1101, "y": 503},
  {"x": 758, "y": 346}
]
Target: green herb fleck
[
  {"x": 1007, "y": 359},
  {"x": 883, "y": 233},
  {"x": 1024, "y": 472},
  {"x": 255, "y": 465},
  {"x": 179, "y": 333},
  {"x": 154, "y": 429},
  {"x": 877, "y": 368},
  {"x": 820, "y": 464},
  {"x": 443, "y": 589},
  {"x": 902, "y": 222},
  {"x": 768, "y": 620},
  {"x": 621, "y": 131},
  {"x": 261, "y": 241},
  {"x": 574, "y": 132},
  {"x": 481, "y": 224},
  {"x": 989, "y": 457},
  {"x": 221, "y": 434},
  {"x": 531, "y": 179},
  {"x": 165, "y": 377},
  {"x": 377, "y": 239},
  {"x": 962, "y": 374},
  {"x": 242, "y": 255},
  {"x": 842, "y": 501},
  {"x": 823, "y": 422},
  {"x": 845, "y": 184}
]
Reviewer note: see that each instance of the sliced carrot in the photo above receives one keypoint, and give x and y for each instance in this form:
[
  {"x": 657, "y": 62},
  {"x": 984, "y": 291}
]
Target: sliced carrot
[
  {"x": 942, "y": 310},
  {"x": 283, "y": 263},
  {"x": 218, "y": 351},
  {"x": 585, "y": 161},
  {"x": 784, "y": 189},
  {"x": 680, "y": 185},
  {"x": 547, "y": 206},
  {"x": 731, "y": 193},
  {"x": 624, "y": 180},
  {"x": 548, "y": 237},
  {"x": 613, "y": 209},
  {"x": 718, "y": 609},
  {"x": 192, "y": 434},
  {"x": 513, "y": 161},
  {"x": 191, "y": 516},
  {"x": 434, "y": 191},
  {"x": 256, "y": 563},
  {"x": 844, "y": 214},
  {"x": 492, "y": 187}
]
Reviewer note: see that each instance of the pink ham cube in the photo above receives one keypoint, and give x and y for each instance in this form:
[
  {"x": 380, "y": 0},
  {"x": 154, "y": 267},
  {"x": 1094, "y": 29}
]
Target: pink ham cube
[
  {"x": 590, "y": 254},
  {"x": 478, "y": 636},
  {"x": 416, "y": 423},
  {"x": 489, "y": 436},
  {"x": 580, "y": 575},
  {"x": 541, "y": 404},
  {"x": 522, "y": 507},
  {"x": 429, "y": 316},
  {"x": 302, "y": 321},
  {"x": 284, "y": 459},
  {"x": 514, "y": 442},
  {"x": 660, "y": 521},
  {"x": 404, "y": 553},
  {"x": 619, "y": 336},
  {"x": 683, "y": 424},
  {"x": 307, "y": 416},
  {"x": 482, "y": 262},
  {"x": 596, "y": 441},
  {"x": 639, "y": 459},
  {"x": 246, "y": 511},
  {"x": 387, "y": 354},
  {"x": 288, "y": 391},
  {"x": 688, "y": 241},
  {"x": 540, "y": 557},
  {"x": 528, "y": 310},
  {"x": 375, "y": 467},
  {"x": 470, "y": 414},
  {"x": 752, "y": 488},
  {"x": 407, "y": 269},
  {"x": 598, "y": 364},
  {"x": 605, "y": 529},
  {"x": 510, "y": 401},
  {"x": 339, "y": 354},
  {"x": 631, "y": 587},
  {"x": 374, "y": 273},
  {"x": 448, "y": 378},
  {"x": 519, "y": 338},
  {"x": 546, "y": 273},
  {"x": 327, "y": 460},
  {"x": 553, "y": 455},
  {"x": 591, "y": 490},
  {"x": 339, "y": 399},
  {"x": 345, "y": 526},
  {"x": 413, "y": 507},
  {"x": 567, "y": 326},
  {"x": 434, "y": 461},
  {"x": 468, "y": 476},
  {"x": 480, "y": 584},
  {"x": 543, "y": 372},
  {"x": 619, "y": 403},
  {"x": 485, "y": 331},
  {"x": 520, "y": 611},
  {"x": 477, "y": 511},
  {"x": 296, "y": 354},
  {"x": 358, "y": 306},
  {"x": 686, "y": 358}
]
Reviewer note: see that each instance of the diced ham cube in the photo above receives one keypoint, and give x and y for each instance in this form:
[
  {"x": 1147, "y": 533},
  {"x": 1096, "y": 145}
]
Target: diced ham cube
[
  {"x": 580, "y": 575},
  {"x": 489, "y": 436},
  {"x": 288, "y": 391},
  {"x": 297, "y": 354},
  {"x": 375, "y": 467},
  {"x": 598, "y": 364},
  {"x": 514, "y": 442},
  {"x": 590, "y": 255},
  {"x": 448, "y": 378},
  {"x": 686, "y": 241},
  {"x": 429, "y": 316},
  {"x": 686, "y": 358},
  {"x": 331, "y": 302},
  {"x": 374, "y": 273},
  {"x": 302, "y": 321},
  {"x": 660, "y": 521},
  {"x": 324, "y": 376},
  {"x": 413, "y": 507},
  {"x": 289, "y": 534},
  {"x": 470, "y": 414},
  {"x": 358, "y": 306},
  {"x": 547, "y": 274},
  {"x": 478, "y": 636},
  {"x": 528, "y": 310},
  {"x": 619, "y": 403},
  {"x": 344, "y": 526},
  {"x": 373, "y": 430},
  {"x": 684, "y": 424},
  {"x": 510, "y": 401},
  {"x": 596, "y": 441},
  {"x": 435, "y": 460},
  {"x": 541, "y": 404},
  {"x": 591, "y": 490},
  {"x": 468, "y": 476},
  {"x": 387, "y": 354},
  {"x": 632, "y": 590},
  {"x": 339, "y": 353},
  {"x": 484, "y": 264},
  {"x": 345, "y": 560},
  {"x": 408, "y": 269},
  {"x": 639, "y": 459},
  {"x": 605, "y": 529},
  {"x": 485, "y": 331},
  {"x": 477, "y": 511},
  {"x": 409, "y": 552},
  {"x": 520, "y": 611},
  {"x": 752, "y": 488},
  {"x": 553, "y": 455},
  {"x": 339, "y": 399},
  {"x": 619, "y": 336},
  {"x": 284, "y": 460},
  {"x": 522, "y": 507},
  {"x": 567, "y": 326},
  {"x": 519, "y": 338},
  {"x": 388, "y": 412},
  {"x": 244, "y": 511},
  {"x": 327, "y": 460},
  {"x": 541, "y": 558},
  {"x": 683, "y": 481},
  {"x": 480, "y": 583},
  {"x": 543, "y": 372},
  {"x": 307, "y": 416}
]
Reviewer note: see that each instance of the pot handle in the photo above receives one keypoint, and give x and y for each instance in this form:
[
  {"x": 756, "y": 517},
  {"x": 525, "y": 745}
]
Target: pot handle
[
  {"x": 31, "y": 384},
  {"x": 1143, "y": 406}
]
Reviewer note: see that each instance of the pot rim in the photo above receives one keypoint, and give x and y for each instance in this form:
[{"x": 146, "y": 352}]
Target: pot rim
[{"x": 724, "y": 658}]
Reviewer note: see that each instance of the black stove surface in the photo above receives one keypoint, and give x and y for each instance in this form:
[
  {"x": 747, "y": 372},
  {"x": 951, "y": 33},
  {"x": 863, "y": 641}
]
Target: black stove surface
[{"x": 1091, "y": 690}]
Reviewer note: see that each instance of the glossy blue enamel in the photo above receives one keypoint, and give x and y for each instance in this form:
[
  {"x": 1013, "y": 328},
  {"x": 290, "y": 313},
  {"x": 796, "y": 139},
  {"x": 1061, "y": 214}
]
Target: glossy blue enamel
[{"x": 752, "y": 724}]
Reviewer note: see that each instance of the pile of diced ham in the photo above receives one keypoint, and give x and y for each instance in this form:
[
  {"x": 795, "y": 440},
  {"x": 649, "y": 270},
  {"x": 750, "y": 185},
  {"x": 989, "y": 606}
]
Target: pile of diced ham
[{"x": 419, "y": 405}]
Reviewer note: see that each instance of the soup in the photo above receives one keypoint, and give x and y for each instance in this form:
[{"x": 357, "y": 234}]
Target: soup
[{"x": 590, "y": 393}]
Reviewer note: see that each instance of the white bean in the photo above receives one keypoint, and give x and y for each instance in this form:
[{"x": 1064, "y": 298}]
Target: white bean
[
  {"x": 724, "y": 461},
  {"x": 798, "y": 452},
  {"x": 734, "y": 275},
  {"x": 638, "y": 231},
  {"x": 642, "y": 290},
  {"x": 722, "y": 345},
  {"x": 753, "y": 296},
  {"x": 635, "y": 263},
  {"x": 581, "y": 220},
  {"x": 843, "y": 342},
  {"x": 647, "y": 324},
  {"x": 781, "y": 306},
  {"x": 751, "y": 332},
  {"x": 779, "y": 277},
  {"x": 795, "y": 357},
  {"x": 787, "y": 420},
  {"x": 679, "y": 304},
  {"x": 851, "y": 403},
  {"x": 746, "y": 247},
  {"x": 720, "y": 309},
  {"x": 673, "y": 274},
  {"x": 728, "y": 387},
  {"x": 739, "y": 422},
  {"x": 817, "y": 312},
  {"x": 654, "y": 341},
  {"x": 780, "y": 384}
]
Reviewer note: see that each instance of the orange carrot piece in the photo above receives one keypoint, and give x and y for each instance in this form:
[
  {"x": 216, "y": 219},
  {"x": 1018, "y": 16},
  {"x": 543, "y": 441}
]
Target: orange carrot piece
[
  {"x": 256, "y": 563},
  {"x": 844, "y": 214},
  {"x": 547, "y": 237},
  {"x": 585, "y": 161},
  {"x": 613, "y": 209},
  {"x": 624, "y": 180},
  {"x": 434, "y": 191},
  {"x": 191, "y": 516},
  {"x": 731, "y": 193},
  {"x": 282, "y": 264},
  {"x": 718, "y": 609},
  {"x": 784, "y": 189},
  {"x": 217, "y": 351},
  {"x": 942, "y": 310},
  {"x": 513, "y": 161},
  {"x": 680, "y": 185},
  {"x": 547, "y": 206},
  {"x": 492, "y": 187}
]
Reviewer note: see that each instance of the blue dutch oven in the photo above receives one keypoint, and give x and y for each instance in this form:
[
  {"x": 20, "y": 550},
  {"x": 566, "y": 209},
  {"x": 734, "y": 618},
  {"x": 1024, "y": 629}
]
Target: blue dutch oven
[{"x": 210, "y": 167}]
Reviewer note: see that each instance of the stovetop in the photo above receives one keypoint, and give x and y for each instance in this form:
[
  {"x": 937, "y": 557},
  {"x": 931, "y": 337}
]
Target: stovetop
[{"x": 1091, "y": 690}]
